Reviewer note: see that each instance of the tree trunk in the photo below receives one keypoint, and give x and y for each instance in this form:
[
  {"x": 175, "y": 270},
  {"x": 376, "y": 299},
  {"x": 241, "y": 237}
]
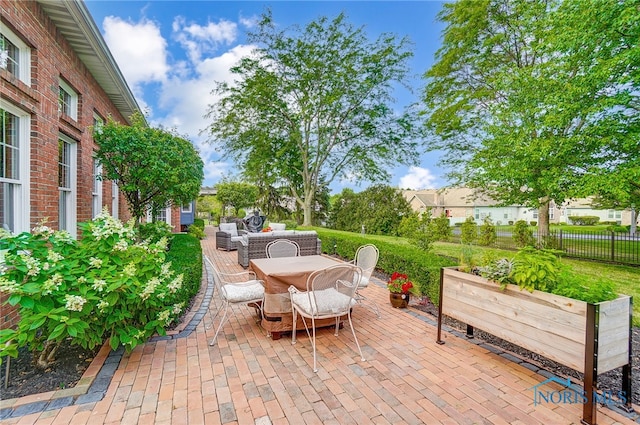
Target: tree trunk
[
  {"x": 634, "y": 221},
  {"x": 543, "y": 222},
  {"x": 306, "y": 207}
]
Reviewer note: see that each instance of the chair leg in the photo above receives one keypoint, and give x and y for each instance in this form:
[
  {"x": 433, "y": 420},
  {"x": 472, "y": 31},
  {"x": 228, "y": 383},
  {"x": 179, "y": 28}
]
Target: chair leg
[
  {"x": 313, "y": 343},
  {"x": 364, "y": 301},
  {"x": 222, "y": 321},
  {"x": 353, "y": 331},
  {"x": 293, "y": 332}
]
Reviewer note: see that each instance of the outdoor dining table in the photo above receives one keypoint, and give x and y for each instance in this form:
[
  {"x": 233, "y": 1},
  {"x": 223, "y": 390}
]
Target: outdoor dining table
[{"x": 278, "y": 274}]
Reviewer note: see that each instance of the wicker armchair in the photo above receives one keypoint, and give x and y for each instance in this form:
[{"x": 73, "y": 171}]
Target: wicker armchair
[{"x": 228, "y": 235}]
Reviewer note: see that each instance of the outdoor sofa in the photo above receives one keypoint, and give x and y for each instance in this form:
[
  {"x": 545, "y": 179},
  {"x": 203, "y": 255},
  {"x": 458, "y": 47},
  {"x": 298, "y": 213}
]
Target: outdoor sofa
[{"x": 253, "y": 245}]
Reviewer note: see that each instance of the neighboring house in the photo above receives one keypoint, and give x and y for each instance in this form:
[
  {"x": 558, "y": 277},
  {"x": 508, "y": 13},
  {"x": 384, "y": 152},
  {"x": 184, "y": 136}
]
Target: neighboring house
[
  {"x": 460, "y": 203},
  {"x": 58, "y": 80}
]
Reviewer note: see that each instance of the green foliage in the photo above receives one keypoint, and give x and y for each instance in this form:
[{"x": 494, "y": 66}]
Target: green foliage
[
  {"x": 185, "y": 256},
  {"x": 312, "y": 105},
  {"x": 534, "y": 269},
  {"x": 199, "y": 223},
  {"x": 138, "y": 157},
  {"x": 584, "y": 220},
  {"x": 379, "y": 208},
  {"x": 154, "y": 231},
  {"x": 468, "y": 231},
  {"x": 537, "y": 100},
  {"x": 466, "y": 262},
  {"x": 236, "y": 195},
  {"x": 290, "y": 224},
  {"x": 105, "y": 285},
  {"x": 409, "y": 225},
  {"x": 423, "y": 236},
  {"x": 488, "y": 233},
  {"x": 196, "y": 232},
  {"x": 522, "y": 235},
  {"x": 440, "y": 228},
  {"x": 424, "y": 268}
]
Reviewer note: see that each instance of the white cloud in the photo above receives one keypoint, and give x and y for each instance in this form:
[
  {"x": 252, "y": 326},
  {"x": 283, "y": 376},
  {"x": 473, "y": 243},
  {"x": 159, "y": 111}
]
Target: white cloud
[
  {"x": 417, "y": 178},
  {"x": 138, "y": 48},
  {"x": 201, "y": 39}
]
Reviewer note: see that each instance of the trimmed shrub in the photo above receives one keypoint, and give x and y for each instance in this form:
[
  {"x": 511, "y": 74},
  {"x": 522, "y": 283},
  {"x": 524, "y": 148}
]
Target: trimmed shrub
[
  {"x": 468, "y": 231},
  {"x": 290, "y": 224},
  {"x": 199, "y": 222},
  {"x": 196, "y": 231},
  {"x": 185, "y": 255},
  {"x": 522, "y": 235},
  {"x": 584, "y": 220}
]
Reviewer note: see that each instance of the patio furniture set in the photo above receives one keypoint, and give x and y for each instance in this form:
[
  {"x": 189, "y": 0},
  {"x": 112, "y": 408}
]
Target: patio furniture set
[{"x": 291, "y": 284}]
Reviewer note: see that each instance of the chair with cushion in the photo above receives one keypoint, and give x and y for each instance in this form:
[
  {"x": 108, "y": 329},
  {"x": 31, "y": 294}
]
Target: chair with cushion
[
  {"x": 329, "y": 294},
  {"x": 235, "y": 289},
  {"x": 282, "y": 248},
  {"x": 366, "y": 258},
  {"x": 227, "y": 236}
]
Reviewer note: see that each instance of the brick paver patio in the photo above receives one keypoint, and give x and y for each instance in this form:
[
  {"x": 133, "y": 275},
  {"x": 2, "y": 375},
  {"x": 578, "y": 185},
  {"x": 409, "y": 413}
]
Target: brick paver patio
[{"x": 247, "y": 378}]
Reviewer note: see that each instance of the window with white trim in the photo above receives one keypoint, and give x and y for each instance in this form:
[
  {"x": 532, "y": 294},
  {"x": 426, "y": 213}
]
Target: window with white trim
[
  {"x": 186, "y": 208},
  {"x": 15, "y": 55},
  {"x": 67, "y": 184},
  {"x": 163, "y": 214},
  {"x": 115, "y": 193},
  {"x": 67, "y": 100},
  {"x": 14, "y": 169},
  {"x": 96, "y": 193}
]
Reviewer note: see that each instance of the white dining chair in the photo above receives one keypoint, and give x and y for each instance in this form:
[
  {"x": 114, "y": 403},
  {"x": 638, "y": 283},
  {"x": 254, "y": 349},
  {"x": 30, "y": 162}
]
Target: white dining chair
[
  {"x": 366, "y": 258},
  {"x": 235, "y": 289},
  {"x": 329, "y": 294},
  {"x": 282, "y": 248}
]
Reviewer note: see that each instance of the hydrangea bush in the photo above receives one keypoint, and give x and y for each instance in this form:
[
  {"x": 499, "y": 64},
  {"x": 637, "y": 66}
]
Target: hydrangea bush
[{"x": 105, "y": 285}]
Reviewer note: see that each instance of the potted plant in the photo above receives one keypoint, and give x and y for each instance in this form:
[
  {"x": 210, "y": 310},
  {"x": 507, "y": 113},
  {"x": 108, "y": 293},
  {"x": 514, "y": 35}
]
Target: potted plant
[
  {"x": 533, "y": 301},
  {"x": 400, "y": 290}
]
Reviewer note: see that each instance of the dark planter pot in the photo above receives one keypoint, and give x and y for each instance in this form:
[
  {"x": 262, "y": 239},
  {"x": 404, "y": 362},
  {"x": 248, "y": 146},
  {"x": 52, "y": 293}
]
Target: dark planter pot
[{"x": 399, "y": 300}]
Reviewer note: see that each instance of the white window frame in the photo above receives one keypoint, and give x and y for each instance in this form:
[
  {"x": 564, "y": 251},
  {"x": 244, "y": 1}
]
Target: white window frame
[
  {"x": 21, "y": 186},
  {"x": 186, "y": 208},
  {"x": 69, "y": 223},
  {"x": 73, "y": 100},
  {"x": 24, "y": 55},
  {"x": 167, "y": 213},
  {"x": 115, "y": 194},
  {"x": 96, "y": 192}
]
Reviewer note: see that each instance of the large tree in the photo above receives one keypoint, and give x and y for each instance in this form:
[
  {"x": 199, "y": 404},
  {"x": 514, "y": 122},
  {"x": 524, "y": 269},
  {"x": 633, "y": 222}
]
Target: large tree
[
  {"x": 236, "y": 195},
  {"x": 152, "y": 167},
  {"x": 312, "y": 105},
  {"x": 529, "y": 98}
]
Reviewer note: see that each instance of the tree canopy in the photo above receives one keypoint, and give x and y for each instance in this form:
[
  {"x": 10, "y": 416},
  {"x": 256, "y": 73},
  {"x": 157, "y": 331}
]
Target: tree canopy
[
  {"x": 379, "y": 208},
  {"x": 529, "y": 99},
  {"x": 152, "y": 167},
  {"x": 236, "y": 195},
  {"x": 313, "y": 105}
]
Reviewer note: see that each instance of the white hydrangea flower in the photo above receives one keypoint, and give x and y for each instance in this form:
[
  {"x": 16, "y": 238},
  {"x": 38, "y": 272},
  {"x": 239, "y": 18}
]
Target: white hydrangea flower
[
  {"x": 121, "y": 245},
  {"x": 175, "y": 284},
  {"x": 95, "y": 262},
  {"x": 177, "y": 308},
  {"x": 165, "y": 270},
  {"x": 99, "y": 284},
  {"x": 63, "y": 236},
  {"x": 82, "y": 280},
  {"x": 52, "y": 284},
  {"x": 43, "y": 230},
  {"x": 130, "y": 270},
  {"x": 74, "y": 302},
  {"x": 164, "y": 316},
  {"x": 9, "y": 286},
  {"x": 33, "y": 265},
  {"x": 150, "y": 288},
  {"x": 54, "y": 257},
  {"x": 102, "y": 306}
]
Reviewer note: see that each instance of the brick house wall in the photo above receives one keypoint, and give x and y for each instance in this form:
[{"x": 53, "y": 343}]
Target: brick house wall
[{"x": 53, "y": 59}]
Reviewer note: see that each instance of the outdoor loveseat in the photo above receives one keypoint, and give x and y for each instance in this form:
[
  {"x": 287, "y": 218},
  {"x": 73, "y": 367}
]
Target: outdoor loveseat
[
  {"x": 253, "y": 245},
  {"x": 227, "y": 236}
]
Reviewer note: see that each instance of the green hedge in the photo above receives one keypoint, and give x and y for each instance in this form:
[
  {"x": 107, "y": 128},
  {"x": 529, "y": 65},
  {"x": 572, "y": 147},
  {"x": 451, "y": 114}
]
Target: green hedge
[
  {"x": 422, "y": 268},
  {"x": 199, "y": 222},
  {"x": 185, "y": 255}
]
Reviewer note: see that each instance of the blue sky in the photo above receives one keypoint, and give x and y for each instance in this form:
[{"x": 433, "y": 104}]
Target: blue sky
[{"x": 172, "y": 53}]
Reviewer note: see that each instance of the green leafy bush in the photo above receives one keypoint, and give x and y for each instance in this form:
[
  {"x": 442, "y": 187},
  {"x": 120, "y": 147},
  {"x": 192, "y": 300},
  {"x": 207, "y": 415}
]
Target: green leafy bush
[
  {"x": 106, "y": 285},
  {"x": 523, "y": 235},
  {"x": 422, "y": 268},
  {"x": 468, "y": 231},
  {"x": 290, "y": 224},
  {"x": 154, "y": 231},
  {"x": 196, "y": 231},
  {"x": 199, "y": 223},
  {"x": 488, "y": 233},
  {"x": 441, "y": 228},
  {"x": 185, "y": 257},
  {"x": 585, "y": 220}
]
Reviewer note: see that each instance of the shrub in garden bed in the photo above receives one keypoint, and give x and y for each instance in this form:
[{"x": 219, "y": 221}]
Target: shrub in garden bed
[
  {"x": 105, "y": 285},
  {"x": 185, "y": 255}
]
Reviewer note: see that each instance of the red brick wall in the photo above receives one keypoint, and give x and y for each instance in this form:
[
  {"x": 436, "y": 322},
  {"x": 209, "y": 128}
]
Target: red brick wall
[{"x": 52, "y": 58}]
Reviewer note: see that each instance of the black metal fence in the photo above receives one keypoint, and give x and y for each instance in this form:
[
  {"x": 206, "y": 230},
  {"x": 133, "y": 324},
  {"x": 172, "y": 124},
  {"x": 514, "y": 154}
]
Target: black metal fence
[{"x": 622, "y": 248}]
